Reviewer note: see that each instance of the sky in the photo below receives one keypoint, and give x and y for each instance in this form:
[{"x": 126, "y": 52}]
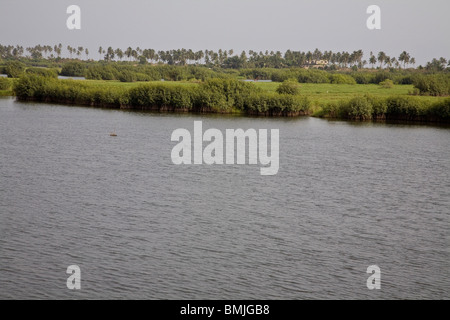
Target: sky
[{"x": 419, "y": 27}]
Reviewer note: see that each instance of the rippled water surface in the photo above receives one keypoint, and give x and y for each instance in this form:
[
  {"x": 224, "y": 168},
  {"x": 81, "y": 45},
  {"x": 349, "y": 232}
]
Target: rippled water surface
[{"x": 347, "y": 196}]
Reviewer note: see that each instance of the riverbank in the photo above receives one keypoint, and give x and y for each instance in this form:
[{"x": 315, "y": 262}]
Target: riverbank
[{"x": 353, "y": 102}]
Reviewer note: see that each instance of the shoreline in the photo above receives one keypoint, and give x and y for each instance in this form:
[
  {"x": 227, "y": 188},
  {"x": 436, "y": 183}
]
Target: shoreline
[
  {"x": 228, "y": 96},
  {"x": 401, "y": 119}
]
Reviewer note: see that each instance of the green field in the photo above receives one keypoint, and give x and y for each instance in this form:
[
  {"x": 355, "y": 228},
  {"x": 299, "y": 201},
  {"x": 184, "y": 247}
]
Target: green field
[
  {"x": 319, "y": 93},
  {"x": 322, "y": 93}
]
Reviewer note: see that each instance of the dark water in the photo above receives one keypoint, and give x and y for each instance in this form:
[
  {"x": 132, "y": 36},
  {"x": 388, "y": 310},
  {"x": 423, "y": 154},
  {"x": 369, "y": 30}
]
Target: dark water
[{"x": 347, "y": 196}]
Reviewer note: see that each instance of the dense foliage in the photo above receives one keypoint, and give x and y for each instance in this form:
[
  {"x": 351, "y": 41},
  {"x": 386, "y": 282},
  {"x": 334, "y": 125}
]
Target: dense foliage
[
  {"x": 216, "y": 95},
  {"x": 73, "y": 69},
  {"x": 14, "y": 69},
  {"x": 433, "y": 84},
  {"x": 367, "y": 107},
  {"x": 5, "y": 83},
  {"x": 289, "y": 87}
]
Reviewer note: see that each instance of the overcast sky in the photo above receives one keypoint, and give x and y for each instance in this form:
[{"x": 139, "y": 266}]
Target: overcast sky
[{"x": 419, "y": 27}]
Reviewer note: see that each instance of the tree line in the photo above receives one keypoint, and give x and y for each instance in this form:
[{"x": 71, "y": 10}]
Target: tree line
[{"x": 226, "y": 58}]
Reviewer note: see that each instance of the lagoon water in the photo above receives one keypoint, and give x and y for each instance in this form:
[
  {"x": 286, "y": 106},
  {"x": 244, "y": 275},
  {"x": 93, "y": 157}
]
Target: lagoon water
[{"x": 347, "y": 195}]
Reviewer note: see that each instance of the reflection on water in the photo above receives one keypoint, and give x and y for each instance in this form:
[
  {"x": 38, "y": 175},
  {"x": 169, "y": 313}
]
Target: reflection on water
[
  {"x": 347, "y": 196},
  {"x": 74, "y": 78}
]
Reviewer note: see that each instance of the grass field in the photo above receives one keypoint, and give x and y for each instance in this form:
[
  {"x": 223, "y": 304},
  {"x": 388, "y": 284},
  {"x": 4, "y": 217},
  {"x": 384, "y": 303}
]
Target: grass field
[
  {"x": 318, "y": 93},
  {"x": 322, "y": 93}
]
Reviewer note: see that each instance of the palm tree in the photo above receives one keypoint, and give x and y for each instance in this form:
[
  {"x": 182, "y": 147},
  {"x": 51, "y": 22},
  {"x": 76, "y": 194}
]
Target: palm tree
[
  {"x": 100, "y": 51},
  {"x": 128, "y": 52},
  {"x": 381, "y": 57},
  {"x": 404, "y": 57},
  {"x": 372, "y": 59}
]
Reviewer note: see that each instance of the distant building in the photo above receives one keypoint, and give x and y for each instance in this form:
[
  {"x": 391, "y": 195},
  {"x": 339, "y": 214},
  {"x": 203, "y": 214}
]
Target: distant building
[{"x": 316, "y": 64}]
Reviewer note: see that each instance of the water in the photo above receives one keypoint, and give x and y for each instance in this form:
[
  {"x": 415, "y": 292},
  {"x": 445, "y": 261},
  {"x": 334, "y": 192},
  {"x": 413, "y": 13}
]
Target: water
[
  {"x": 347, "y": 196},
  {"x": 73, "y": 78}
]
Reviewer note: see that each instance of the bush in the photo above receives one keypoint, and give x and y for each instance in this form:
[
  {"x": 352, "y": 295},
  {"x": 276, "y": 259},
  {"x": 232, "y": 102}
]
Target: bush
[
  {"x": 127, "y": 76},
  {"x": 14, "y": 69},
  {"x": 289, "y": 87},
  {"x": 45, "y": 72},
  {"x": 358, "y": 108},
  {"x": 407, "y": 106},
  {"x": 73, "y": 69},
  {"x": 441, "y": 109},
  {"x": 162, "y": 95},
  {"x": 341, "y": 79},
  {"x": 226, "y": 93},
  {"x": 381, "y": 76},
  {"x": 5, "y": 83},
  {"x": 363, "y": 77},
  {"x": 273, "y": 103},
  {"x": 313, "y": 76},
  {"x": 433, "y": 85},
  {"x": 387, "y": 84},
  {"x": 30, "y": 86}
]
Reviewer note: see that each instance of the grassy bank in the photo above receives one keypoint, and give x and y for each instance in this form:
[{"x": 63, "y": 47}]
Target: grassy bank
[
  {"x": 346, "y": 101},
  {"x": 6, "y": 87},
  {"x": 215, "y": 95},
  {"x": 369, "y": 107}
]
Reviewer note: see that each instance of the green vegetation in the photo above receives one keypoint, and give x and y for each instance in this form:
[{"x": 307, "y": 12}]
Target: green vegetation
[
  {"x": 328, "y": 84},
  {"x": 73, "y": 69},
  {"x": 5, "y": 83},
  {"x": 216, "y": 95},
  {"x": 14, "y": 69},
  {"x": 289, "y": 87},
  {"x": 433, "y": 84},
  {"x": 230, "y": 95},
  {"x": 368, "y": 107},
  {"x": 6, "y": 87},
  {"x": 387, "y": 84},
  {"x": 45, "y": 72}
]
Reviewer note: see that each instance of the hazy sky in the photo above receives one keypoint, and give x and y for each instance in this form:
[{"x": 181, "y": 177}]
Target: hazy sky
[{"x": 419, "y": 27}]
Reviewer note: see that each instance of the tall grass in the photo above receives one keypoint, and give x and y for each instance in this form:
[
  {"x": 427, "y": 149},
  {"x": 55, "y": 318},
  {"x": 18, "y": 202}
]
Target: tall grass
[
  {"x": 215, "y": 95},
  {"x": 369, "y": 107}
]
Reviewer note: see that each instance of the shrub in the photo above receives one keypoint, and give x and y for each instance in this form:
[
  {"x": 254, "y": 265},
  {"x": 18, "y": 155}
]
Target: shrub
[
  {"x": 45, "y": 72},
  {"x": 387, "y": 84},
  {"x": 433, "y": 85},
  {"x": 441, "y": 109},
  {"x": 100, "y": 72},
  {"x": 313, "y": 76},
  {"x": 14, "y": 69},
  {"x": 127, "y": 76},
  {"x": 408, "y": 106},
  {"x": 73, "y": 69},
  {"x": 289, "y": 87},
  {"x": 358, "y": 108},
  {"x": 381, "y": 76},
  {"x": 341, "y": 79},
  {"x": 363, "y": 77},
  {"x": 5, "y": 83}
]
